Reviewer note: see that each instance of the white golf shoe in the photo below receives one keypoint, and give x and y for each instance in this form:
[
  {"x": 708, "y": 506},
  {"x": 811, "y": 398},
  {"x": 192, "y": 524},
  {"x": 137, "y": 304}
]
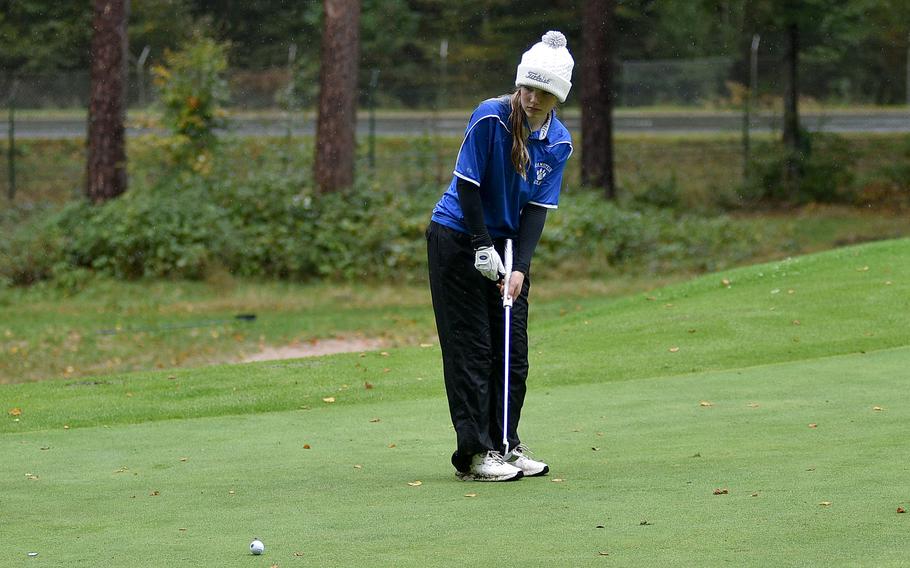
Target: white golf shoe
[
  {"x": 489, "y": 466},
  {"x": 520, "y": 457}
]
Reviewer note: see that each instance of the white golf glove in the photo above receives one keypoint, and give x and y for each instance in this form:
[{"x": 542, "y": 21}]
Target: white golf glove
[{"x": 487, "y": 261}]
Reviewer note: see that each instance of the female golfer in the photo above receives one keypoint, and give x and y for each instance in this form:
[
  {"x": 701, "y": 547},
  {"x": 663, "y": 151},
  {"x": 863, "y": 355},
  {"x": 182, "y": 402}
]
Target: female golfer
[{"x": 507, "y": 175}]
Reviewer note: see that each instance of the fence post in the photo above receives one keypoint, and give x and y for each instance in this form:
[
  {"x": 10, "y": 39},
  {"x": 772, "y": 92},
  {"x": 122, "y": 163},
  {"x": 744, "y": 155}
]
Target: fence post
[
  {"x": 374, "y": 84},
  {"x": 749, "y": 102},
  {"x": 140, "y": 75},
  {"x": 11, "y": 146}
]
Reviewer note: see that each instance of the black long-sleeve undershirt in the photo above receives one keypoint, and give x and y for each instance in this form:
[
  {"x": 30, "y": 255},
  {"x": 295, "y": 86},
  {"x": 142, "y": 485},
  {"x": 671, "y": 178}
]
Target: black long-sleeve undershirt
[{"x": 531, "y": 223}]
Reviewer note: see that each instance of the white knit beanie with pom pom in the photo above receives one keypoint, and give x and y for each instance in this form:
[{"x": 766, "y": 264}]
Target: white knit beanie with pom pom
[{"x": 547, "y": 66}]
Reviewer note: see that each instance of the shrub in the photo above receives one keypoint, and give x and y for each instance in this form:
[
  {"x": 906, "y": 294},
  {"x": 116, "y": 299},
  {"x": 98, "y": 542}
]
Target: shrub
[
  {"x": 193, "y": 91},
  {"x": 824, "y": 164},
  {"x": 889, "y": 186}
]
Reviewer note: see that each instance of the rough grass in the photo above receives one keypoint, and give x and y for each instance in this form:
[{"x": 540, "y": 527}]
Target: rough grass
[{"x": 790, "y": 406}]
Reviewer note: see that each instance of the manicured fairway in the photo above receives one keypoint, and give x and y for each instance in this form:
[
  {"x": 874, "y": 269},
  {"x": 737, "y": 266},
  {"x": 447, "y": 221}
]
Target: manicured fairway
[
  {"x": 780, "y": 387},
  {"x": 639, "y": 462}
]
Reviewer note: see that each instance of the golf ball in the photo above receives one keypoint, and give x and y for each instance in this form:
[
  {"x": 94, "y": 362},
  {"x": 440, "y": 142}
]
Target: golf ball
[{"x": 256, "y": 547}]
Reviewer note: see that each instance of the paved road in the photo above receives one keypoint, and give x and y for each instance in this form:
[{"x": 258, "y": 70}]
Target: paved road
[{"x": 676, "y": 123}]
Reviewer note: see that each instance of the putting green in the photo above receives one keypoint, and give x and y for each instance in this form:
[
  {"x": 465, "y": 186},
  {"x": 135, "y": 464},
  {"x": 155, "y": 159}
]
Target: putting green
[{"x": 810, "y": 457}]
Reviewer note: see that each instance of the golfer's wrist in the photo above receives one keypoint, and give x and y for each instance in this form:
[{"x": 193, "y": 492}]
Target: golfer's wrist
[{"x": 481, "y": 241}]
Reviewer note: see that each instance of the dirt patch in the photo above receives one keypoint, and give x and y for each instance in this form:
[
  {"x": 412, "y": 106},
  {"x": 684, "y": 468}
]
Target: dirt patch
[{"x": 315, "y": 348}]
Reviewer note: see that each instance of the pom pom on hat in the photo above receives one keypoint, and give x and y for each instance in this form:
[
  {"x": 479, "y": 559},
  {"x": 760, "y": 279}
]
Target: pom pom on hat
[{"x": 547, "y": 66}]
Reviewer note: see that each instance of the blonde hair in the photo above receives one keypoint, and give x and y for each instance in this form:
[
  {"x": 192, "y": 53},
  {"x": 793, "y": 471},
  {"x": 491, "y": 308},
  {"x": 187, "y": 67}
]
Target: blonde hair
[{"x": 517, "y": 120}]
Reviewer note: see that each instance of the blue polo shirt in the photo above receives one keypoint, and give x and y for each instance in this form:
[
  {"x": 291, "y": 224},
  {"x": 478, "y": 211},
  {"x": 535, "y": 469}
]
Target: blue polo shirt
[{"x": 485, "y": 161}]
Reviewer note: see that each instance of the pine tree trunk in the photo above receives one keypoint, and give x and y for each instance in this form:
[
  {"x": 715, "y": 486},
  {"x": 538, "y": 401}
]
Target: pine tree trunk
[
  {"x": 337, "y": 120},
  {"x": 106, "y": 168},
  {"x": 791, "y": 138},
  {"x": 597, "y": 96}
]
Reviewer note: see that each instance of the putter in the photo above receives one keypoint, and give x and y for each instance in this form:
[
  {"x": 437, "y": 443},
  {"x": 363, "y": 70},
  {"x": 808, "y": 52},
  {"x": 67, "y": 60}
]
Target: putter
[{"x": 507, "y": 307}]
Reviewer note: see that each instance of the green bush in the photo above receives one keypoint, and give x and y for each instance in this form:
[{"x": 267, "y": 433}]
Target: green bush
[
  {"x": 587, "y": 234},
  {"x": 193, "y": 91},
  {"x": 272, "y": 226},
  {"x": 888, "y": 187},
  {"x": 825, "y": 165}
]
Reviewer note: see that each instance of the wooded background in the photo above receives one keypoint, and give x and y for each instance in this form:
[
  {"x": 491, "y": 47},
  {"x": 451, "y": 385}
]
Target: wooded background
[{"x": 441, "y": 53}]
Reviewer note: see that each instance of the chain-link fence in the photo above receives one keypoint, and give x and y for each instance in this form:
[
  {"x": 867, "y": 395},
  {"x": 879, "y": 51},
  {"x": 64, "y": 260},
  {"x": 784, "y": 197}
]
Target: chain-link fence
[{"x": 709, "y": 81}]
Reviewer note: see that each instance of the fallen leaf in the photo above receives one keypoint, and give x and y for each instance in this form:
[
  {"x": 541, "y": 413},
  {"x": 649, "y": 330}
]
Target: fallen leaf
[
  {"x": 557, "y": 480},
  {"x": 417, "y": 483},
  {"x": 392, "y": 445},
  {"x": 298, "y": 554},
  {"x": 368, "y": 385},
  {"x": 374, "y": 420},
  {"x": 15, "y": 412},
  {"x": 384, "y": 354},
  {"x": 329, "y": 399},
  {"x": 796, "y": 322},
  {"x": 232, "y": 492},
  {"x": 155, "y": 493},
  {"x": 901, "y": 510},
  {"x": 470, "y": 494},
  {"x": 877, "y": 408},
  {"x": 755, "y": 494},
  {"x": 358, "y": 466},
  {"x": 721, "y": 491},
  {"x": 45, "y": 448},
  {"x": 306, "y": 446},
  {"x": 726, "y": 282},
  {"x": 705, "y": 403},
  {"x": 184, "y": 459},
  {"x": 863, "y": 269},
  {"x": 386, "y": 370},
  {"x": 813, "y": 425},
  {"x": 595, "y": 448},
  {"x": 644, "y": 523},
  {"x": 674, "y": 349},
  {"x": 825, "y": 503},
  {"x": 31, "y": 476},
  {"x": 752, "y": 405},
  {"x": 182, "y": 530},
  {"x": 603, "y": 553},
  {"x": 600, "y": 527}
]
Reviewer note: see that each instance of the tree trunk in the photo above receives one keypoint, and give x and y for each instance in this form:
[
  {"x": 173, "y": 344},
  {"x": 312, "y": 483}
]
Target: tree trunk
[
  {"x": 106, "y": 168},
  {"x": 337, "y": 120},
  {"x": 597, "y": 96},
  {"x": 792, "y": 137}
]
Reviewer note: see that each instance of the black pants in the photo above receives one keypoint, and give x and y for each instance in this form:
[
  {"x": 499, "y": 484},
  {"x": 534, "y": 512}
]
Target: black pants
[{"x": 471, "y": 326}]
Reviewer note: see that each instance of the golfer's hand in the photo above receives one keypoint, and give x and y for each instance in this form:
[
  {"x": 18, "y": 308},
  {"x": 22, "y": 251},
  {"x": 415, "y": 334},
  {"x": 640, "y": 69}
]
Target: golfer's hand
[
  {"x": 487, "y": 261},
  {"x": 516, "y": 281}
]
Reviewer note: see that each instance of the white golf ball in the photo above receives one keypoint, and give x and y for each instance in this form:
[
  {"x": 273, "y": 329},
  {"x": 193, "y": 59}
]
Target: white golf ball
[{"x": 256, "y": 547}]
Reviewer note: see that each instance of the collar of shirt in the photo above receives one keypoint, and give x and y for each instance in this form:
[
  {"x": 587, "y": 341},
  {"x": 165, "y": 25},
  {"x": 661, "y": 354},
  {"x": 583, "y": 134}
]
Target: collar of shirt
[{"x": 542, "y": 133}]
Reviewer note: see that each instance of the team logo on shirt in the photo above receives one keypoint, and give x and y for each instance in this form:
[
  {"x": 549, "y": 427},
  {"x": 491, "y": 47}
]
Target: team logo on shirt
[{"x": 542, "y": 170}]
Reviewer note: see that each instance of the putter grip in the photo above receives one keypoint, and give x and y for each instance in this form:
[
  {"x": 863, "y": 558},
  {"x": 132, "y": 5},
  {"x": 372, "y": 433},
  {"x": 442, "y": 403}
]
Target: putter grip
[{"x": 507, "y": 262}]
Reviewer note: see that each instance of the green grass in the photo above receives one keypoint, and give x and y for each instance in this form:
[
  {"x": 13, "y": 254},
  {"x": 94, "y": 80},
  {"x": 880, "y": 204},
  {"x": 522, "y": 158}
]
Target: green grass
[{"x": 782, "y": 384}]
